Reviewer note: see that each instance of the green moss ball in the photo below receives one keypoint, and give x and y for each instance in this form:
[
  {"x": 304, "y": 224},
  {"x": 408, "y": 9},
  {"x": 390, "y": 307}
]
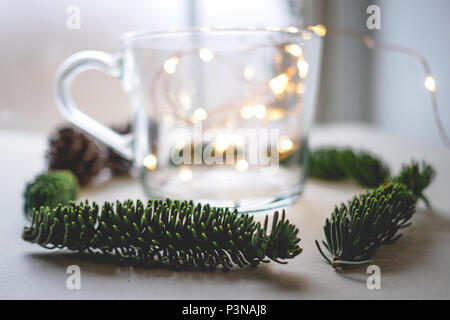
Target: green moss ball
[{"x": 50, "y": 189}]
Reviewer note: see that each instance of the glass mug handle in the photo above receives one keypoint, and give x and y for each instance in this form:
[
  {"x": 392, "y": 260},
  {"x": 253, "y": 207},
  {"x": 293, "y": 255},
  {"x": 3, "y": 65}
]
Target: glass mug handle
[{"x": 71, "y": 67}]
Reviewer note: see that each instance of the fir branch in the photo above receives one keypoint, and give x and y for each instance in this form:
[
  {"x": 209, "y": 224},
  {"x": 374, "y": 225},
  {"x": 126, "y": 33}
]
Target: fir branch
[
  {"x": 173, "y": 233},
  {"x": 337, "y": 164},
  {"x": 416, "y": 177},
  {"x": 357, "y": 229}
]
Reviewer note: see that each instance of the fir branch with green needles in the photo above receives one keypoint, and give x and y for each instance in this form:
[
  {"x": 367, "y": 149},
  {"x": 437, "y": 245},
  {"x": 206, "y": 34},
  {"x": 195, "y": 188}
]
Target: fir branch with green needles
[
  {"x": 173, "y": 233},
  {"x": 358, "y": 228},
  {"x": 416, "y": 177},
  {"x": 330, "y": 163}
]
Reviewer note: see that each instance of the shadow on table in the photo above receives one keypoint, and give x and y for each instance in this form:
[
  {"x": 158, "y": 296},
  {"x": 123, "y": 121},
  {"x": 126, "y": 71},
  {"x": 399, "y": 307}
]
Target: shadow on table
[
  {"x": 412, "y": 248},
  {"x": 107, "y": 266}
]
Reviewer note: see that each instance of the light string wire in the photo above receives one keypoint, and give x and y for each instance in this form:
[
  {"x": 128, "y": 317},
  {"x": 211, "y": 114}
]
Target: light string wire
[
  {"x": 163, "y": 77},
  {"x": 430, "y": 83},
  {"x": 322, "y": 31}
]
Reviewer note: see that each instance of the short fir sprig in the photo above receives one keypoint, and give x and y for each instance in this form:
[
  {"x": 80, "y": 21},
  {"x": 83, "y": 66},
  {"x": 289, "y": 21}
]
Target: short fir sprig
[
  {"x": 330, "y": 163},
  {"x": 356, "y": 229},
  {"x": 416, "y": 177},
  {"x": 173, "y": 233}
]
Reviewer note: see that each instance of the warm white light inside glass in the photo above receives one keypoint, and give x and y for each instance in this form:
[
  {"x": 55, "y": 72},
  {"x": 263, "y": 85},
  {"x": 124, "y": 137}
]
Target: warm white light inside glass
[
  {"x": 278, "y": 84},
  {"x": 206, "y": 54},
  {"x": 150, "y": 162},
  {"x": 294, "y": 49},
  {"x": 285, "y": 144},
  {"x": 292, "y": 29},
  {"x": 303, "y": 67},
  {"x": 170, "y": 65},
  {"x": 259, "y": 111},
  {"x": 248, "y": 73},
  {"x": 319, "y": 29},
  {"x": 246, "y": 112},
  {"x": 199, "y": 114},
  {"x": 222, "y": 143},
  {"x": 430, "y": 84},
  {"x": 185, "y": 173},
  {"x": 242, "y": 165}
]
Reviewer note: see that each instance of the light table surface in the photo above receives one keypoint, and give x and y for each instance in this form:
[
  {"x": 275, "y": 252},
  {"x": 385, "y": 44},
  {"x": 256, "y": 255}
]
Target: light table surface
[{"x": 417, "y": 266}]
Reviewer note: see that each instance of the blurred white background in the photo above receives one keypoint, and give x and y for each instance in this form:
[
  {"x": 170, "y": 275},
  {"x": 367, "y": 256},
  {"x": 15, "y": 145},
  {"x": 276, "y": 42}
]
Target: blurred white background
[{"x": 383, "y": 89}]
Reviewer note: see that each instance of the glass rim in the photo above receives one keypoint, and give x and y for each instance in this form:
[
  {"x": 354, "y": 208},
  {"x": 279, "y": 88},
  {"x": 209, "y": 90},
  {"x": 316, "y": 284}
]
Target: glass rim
[{"x": 293, "y": 31}]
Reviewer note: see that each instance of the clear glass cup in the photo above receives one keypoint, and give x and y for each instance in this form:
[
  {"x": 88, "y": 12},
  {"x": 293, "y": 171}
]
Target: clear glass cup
[{"x": 218, "y": 115}]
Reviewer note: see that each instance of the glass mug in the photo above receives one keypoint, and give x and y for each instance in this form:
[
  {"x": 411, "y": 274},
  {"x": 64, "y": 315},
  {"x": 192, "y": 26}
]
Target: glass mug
[{"x": 218, "y": 115}]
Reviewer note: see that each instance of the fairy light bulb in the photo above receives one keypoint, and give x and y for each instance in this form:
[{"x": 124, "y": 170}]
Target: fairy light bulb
[
  {"x": 292, "y": 29},
  {"x": 222, "y": 143},
  {"x": 259, "y": 111},
  {"x": 278, "y": 84},
  {"x": 430, "y": 84},
  {"x": 242, "y": 165},
  {"x": 318, "y": 29},
  {"x": 150, "y": 162},
  {"x": 246, "y": 112},
  {"x": 170, "y": 65},
  {"x": 205, "y": 54},
  {"x": 185, "y": 173},
  {"x": 248, "y": 73},
  {"x": 294, "y": 49},
  {"x": 303, "y": 68},
  {"x": 285, "y": 144},
  {"x": 199, "y": 115}
]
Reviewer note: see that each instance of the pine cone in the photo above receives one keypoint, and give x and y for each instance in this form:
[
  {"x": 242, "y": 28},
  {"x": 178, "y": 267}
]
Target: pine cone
[
  {"x": 73, "y": 150},
  {"x": 114, "y": 161}
]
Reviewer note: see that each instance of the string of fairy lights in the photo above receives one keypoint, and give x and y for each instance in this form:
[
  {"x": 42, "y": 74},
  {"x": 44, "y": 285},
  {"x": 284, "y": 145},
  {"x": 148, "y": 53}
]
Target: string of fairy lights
[
  {"x": 288, "y": 81},
  {"x": 279, "y": 85},
  {"x": 429, "y": 82}
]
